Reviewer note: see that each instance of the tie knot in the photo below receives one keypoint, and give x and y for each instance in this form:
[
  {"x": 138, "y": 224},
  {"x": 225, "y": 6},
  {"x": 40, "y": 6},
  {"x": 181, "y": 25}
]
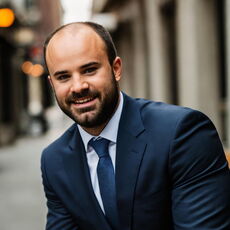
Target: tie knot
[{"x": 100, "y": 145}]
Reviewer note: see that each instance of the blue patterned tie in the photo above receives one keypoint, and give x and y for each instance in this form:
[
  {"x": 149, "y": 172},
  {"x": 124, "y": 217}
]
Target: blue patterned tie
[{"x": 106, "y": 178}]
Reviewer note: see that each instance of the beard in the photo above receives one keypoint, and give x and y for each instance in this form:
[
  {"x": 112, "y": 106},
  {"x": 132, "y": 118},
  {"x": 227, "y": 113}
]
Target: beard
[{"x": 101, "y": 114}]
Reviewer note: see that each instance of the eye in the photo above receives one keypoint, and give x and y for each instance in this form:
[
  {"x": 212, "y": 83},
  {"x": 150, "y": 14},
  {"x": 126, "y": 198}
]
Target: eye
[
  {"x": 63, "y": 77},
  {"x": 90, "y": 70}
]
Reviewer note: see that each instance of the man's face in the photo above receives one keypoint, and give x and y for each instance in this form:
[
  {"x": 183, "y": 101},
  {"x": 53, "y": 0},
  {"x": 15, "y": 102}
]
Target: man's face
[{"x": 85, "y": 84}]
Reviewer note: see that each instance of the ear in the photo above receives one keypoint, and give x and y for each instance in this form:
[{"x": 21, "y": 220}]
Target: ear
[
  {"x": 50, "y": 81},
  {"x": 117, "y": 68}
]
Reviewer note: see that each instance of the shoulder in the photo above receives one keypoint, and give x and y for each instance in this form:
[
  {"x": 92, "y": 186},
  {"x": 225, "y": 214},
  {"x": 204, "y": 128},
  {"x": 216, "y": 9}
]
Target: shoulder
[
  {"x": 159, "y": 117},
  {"x": 163, "y": 114},
  {"x": 59, "y": 145}
]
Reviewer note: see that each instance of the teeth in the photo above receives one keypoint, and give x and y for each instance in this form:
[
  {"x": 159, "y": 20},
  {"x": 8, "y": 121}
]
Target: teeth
[{"x": 84, "y": 100}]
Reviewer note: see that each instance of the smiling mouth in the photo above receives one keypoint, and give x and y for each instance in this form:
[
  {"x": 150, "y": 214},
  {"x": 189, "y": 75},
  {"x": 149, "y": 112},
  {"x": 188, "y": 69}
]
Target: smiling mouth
[{"x": 83, "y": 100}]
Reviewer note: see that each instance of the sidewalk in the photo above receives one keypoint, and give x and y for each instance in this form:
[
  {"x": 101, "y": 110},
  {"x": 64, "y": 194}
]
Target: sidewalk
[{"x": 22, "y": 201}]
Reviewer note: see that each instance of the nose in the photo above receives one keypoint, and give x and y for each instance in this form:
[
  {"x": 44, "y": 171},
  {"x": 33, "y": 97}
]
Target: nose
[{"x": 78, "y": 84}]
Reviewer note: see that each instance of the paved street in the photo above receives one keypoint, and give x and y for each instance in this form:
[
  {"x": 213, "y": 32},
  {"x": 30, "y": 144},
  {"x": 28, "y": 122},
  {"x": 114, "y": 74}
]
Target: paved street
[{"x": 22, "y": 202}]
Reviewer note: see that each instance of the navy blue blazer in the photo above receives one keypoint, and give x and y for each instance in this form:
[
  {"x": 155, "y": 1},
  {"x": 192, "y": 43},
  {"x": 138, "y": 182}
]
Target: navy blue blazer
[{"x": 171, "y": 173}]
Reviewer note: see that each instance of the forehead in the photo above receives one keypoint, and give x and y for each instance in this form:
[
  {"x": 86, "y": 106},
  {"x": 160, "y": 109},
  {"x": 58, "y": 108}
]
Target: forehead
[
  {"x": 78, "y": 41},
  {"x": 76, "y": 36}
]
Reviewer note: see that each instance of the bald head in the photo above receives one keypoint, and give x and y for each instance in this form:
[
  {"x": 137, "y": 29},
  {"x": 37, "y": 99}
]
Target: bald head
[{"x": 73, "y": 29}]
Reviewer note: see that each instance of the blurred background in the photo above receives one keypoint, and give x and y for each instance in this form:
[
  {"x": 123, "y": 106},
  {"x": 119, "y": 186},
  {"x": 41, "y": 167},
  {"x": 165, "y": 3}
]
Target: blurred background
[{"x": 176, "y": 51}]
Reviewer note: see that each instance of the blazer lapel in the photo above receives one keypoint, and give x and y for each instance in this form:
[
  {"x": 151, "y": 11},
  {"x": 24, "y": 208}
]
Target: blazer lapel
[
  {"x": 130, "y": 149},
  {"x": 76, "y": 167}
]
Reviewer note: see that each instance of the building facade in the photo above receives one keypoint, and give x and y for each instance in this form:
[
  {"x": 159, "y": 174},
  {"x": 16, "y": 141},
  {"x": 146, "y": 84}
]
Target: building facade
[
  {"x": 176, "y": 51},
  {"x": 23, "y": 92}
]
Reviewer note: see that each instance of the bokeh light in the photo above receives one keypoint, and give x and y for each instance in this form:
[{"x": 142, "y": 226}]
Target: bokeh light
[
  {"x": 27, "y": 67},
  {"x": 33, "y": 70},
  {"x": 37, "y": 70},
  {"x": 6, "y": 17}
]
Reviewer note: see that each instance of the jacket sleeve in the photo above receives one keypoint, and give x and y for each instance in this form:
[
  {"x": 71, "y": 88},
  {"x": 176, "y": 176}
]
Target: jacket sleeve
[
  {"x": 200, "y": 176},
  {"x": 58, "y": 217}
]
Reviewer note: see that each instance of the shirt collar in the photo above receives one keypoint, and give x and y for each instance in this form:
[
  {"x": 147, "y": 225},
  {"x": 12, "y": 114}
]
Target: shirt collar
[{"x": 110, "y": 130}]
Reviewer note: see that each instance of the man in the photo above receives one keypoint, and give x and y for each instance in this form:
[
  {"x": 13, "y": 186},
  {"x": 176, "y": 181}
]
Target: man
[{"x": 163, "y": 166}]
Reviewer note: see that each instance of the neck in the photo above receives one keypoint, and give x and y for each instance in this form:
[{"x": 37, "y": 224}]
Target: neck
[{"x": 95, "y": 131}]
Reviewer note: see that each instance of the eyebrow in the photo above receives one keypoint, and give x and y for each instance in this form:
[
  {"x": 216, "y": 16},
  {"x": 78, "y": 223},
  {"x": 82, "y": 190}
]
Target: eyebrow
[
  {"x": 89, "y": 64},
  {"x": 60, "y": 72}
]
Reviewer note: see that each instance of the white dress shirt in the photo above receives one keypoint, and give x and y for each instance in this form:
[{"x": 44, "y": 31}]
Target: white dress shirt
[{"x": 110, "y": 133}]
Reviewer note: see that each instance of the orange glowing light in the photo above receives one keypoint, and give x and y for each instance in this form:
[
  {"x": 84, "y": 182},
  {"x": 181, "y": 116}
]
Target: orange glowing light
[
  {"x": 27, "y": 67},
  {"x": 37, "y": 70},
  {"x": 6, "y": 17},
  {"x": 32, "y": 70}
]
